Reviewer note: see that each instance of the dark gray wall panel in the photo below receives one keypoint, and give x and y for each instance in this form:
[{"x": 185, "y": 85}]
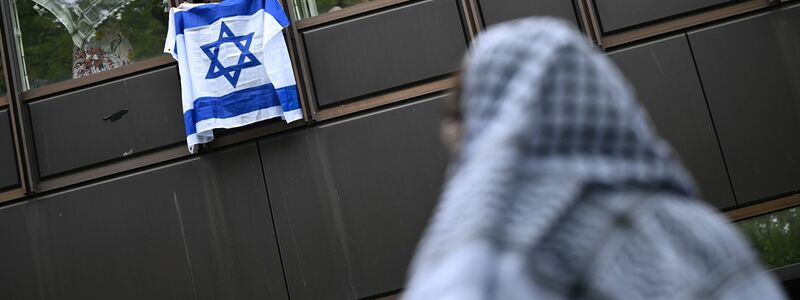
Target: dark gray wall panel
[
  {"x": 18, "y": 278},
  {"x": 666, "y": 82},
  {"x": 8, "y": 160},
  {"x": 199, "y": 229},
  {"x": 351, "y": 199},
  {"x": 156, "y": 110},
  {"x": 385, "y": 50},
  {"x": 228, "y": 225},
  {"x": 618, "y": 14},
  {"x": 751, "y": 73},
  {"x": 115, "y": 240},
  {"x": 496, "y": 11},
  {"x": 69, "y": 130}
]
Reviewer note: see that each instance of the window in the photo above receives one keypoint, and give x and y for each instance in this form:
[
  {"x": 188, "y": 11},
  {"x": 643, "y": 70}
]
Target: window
[
  {"x": 776, "y": 236},
  {"x": 309, "y": 8},
  {"x": 64, "y": 39}
]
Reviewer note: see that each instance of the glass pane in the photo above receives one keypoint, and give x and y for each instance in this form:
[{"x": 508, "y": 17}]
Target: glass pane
[
  {"x": 776, "y": 236},
  {"x": 309, "y": 8},
  {"x": 65, "y": 39}
]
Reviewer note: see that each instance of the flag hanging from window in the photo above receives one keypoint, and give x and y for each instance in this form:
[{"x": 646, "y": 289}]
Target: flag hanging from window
[{"x": 234, "y": 65}]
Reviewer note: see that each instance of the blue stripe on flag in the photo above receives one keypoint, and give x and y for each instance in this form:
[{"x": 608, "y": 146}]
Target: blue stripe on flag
[
  {"x": 208, "y": 14},
  {"x": 240, "y": 102},
  {"x": 275, "y": 9},
  {"x": 288, "y": 97}
]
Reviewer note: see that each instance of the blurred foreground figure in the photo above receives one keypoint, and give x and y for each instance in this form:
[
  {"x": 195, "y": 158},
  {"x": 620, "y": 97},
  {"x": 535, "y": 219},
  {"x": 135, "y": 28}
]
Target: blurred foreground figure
[{"x": 562, "y": 190}]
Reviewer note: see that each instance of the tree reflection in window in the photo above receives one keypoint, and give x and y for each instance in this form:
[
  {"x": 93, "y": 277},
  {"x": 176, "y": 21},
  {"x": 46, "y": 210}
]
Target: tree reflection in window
[
  {"x": 776, "y": 236},
  {"x": 63, "y": 39}
]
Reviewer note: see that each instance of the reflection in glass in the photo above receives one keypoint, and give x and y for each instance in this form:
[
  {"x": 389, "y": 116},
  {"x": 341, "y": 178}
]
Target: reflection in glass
[
  {"x": 309, "y": 8},
  {"x": 64, "y": 39},
  {"x": 776, "y": 236}
]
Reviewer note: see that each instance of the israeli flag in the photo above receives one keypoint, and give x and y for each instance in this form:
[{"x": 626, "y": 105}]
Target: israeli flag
[{"x": 234, "y": 66}]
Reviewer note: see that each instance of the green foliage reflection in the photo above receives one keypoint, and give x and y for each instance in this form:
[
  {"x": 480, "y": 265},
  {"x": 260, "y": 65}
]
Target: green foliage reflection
[
  {"x": 48, "y": 48},
  {"x": 776, "y": 236}
]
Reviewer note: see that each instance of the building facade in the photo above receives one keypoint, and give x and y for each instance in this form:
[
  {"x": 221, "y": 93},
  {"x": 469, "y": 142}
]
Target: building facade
[{"x": 101, "y": 200}]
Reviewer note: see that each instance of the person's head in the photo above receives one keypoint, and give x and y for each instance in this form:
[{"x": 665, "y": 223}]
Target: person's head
[{"x": 538, "y": 88}]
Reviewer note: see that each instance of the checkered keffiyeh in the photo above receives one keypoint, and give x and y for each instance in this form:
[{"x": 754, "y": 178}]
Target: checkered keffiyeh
[
  {"x": 82, "y": 17},
  {"x": 563, "y": 190}
]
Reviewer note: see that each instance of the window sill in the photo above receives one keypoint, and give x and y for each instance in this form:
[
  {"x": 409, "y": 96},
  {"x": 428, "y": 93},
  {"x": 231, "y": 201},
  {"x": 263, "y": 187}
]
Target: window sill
[
  {"x": 788, "y": 272},
  {"x": 447, "y": 83},
  {"x": 11, "y": 195},
  {"x": 763, "y": 208},
  {"x": 635, "y": 34},
  {"x": 72, "y": 84}
]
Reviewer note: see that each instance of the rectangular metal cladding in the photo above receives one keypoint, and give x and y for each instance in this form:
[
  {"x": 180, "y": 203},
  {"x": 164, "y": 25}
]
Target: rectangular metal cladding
[
  {"x": 108, "y": 121},
  {"x": 620, "y": 14},
  {"x": 228, "y": 226},
  {"x": 18, "y": 279},
  {"x": 8, "y": 161},
  {"x": 197, "y": 229},
  {"x": 750, "y": 69},
  {"x": 384, "y": 50},
  {"x": 496, "y": 11},
  {"x": 352, "y": 198},
  {"x": 666, "y": 83}
]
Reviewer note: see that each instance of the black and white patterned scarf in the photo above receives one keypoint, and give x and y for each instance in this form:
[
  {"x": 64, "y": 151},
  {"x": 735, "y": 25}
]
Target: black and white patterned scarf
[{"x": 547, "y": 120}]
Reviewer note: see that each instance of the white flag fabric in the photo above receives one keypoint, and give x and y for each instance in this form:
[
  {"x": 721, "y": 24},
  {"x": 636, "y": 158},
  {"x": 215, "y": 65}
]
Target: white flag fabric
[{"x": 234, "y": 65}]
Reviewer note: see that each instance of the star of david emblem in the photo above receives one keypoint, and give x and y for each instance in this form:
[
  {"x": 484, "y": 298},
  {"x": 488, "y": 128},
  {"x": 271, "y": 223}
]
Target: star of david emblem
[{"x": 246, "y": 59}]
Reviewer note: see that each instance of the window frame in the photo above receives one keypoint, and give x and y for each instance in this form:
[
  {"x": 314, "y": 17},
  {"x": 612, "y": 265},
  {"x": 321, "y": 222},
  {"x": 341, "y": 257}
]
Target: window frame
[
  {"x": 343, "y": 13},
  {"x": 763, "y": 208},
  {"x": 668, "y": 24},
  {"x": 467, "y": 12},
  {"x": 16, "y": 191},
  {"x": 16, "y": 111},
  {"x": 30, "y": 181},
  {"x": 787, "y": 272},
  {"x": 33, "y": 184},
  {"x": 69, "y": 85},
  {"x": 470, "y": 14},
  {"x": 97, "y": 78}
]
